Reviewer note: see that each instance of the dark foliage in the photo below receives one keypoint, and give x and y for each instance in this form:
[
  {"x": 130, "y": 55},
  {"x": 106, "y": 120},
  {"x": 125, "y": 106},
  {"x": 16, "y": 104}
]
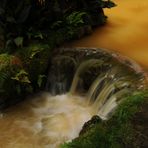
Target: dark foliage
[
  {"x": 22, "y": 20},
  {"x": 29, "y": 29}
]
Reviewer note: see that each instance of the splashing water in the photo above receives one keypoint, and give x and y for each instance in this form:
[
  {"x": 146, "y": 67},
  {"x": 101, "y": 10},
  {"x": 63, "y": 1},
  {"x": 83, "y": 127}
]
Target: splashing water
[{"x": 46, "y": 121}]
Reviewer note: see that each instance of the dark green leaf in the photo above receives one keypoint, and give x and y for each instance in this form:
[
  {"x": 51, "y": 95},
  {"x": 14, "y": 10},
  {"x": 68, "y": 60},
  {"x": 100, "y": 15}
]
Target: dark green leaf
[
  {"x": 24, "y": 14},
  {"x": 19, "y": 41}
]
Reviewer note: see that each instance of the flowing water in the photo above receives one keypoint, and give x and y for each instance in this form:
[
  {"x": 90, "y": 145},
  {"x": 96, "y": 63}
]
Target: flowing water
[
  {"x": 43, "y": 122},
  {"x": 47, "y": 121}
]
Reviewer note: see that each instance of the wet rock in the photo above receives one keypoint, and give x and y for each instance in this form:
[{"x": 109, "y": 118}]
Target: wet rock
[
  {"x": 61, "y": 74},
  {"x": 88, "y": 125}
]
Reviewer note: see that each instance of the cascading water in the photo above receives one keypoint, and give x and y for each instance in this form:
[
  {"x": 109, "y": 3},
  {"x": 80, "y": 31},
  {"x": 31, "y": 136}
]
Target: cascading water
[
  {"x": 99, "y": 83},
  {"x": 81, "y": 69}
]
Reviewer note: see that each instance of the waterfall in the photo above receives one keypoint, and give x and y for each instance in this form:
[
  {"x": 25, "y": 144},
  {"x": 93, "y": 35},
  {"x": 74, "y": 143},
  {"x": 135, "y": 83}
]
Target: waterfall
[
  {"x": 79, "y": 86},
  {"x": 92, "y": 91},
  {"x": 80, "y": 70},
  {"x": 111, "y": 104},
  {"x": 105, "y": 90},
  {"x": 104, "y": 93}
]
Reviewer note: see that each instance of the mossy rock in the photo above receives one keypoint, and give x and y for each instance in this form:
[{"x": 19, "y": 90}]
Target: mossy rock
[
  {"x": 88, "y": 125},
  {"x": 127, "y": 128}
]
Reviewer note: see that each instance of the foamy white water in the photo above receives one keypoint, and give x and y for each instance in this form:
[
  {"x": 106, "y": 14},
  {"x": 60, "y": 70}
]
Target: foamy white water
[{"x": 46, "y": 121}]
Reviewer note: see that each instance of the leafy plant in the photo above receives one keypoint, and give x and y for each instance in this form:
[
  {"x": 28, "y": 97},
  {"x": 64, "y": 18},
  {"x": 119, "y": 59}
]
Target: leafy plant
[
  {"x": 21, "y": 76},
  {"x": 41, "y": 24},
  {"x": 18, "y": 17},
  {"x": 14, "y": 79},
  {"x": 75, "y": 19},
  {"x": 13, "y": 16}
]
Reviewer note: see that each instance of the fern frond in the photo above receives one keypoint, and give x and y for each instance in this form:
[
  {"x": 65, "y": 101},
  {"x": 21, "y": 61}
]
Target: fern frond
[
  {"x": 75, "y": 18},
  {"x": 3, "y": 77}
]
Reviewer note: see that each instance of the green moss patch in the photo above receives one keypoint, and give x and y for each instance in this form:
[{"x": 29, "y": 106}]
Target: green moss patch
[{"x": 119, "y": 131}]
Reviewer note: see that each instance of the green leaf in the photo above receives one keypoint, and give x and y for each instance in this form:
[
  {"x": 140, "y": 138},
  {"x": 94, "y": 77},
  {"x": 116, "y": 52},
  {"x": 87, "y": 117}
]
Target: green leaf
[
  {"x": 39, "y": 35},
  {"x": 21, "y": 76},
  {"x": 40, "y": 80},
  {"x": 8, "y": 43},
  {"x": 56, "y": 24},
  {"x": 10, "y": 19},
  {"x": 109, "y": 4},
  {"x": 19, "y": 41},
  {"x": 75, "y": 18},
  {"x": 34, "y": 53},
  {"x": 3, "y": 77},
  {"x": 24, "y": 14}
]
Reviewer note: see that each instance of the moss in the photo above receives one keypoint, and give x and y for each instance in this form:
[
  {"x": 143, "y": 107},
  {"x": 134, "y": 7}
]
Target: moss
[{"x": 118, "y": 131}]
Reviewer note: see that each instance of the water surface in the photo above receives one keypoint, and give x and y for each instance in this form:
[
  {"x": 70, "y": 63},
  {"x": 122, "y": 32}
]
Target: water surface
[
  {"x": 126, "y": 31},
  {"x": 48, "y": 121}
]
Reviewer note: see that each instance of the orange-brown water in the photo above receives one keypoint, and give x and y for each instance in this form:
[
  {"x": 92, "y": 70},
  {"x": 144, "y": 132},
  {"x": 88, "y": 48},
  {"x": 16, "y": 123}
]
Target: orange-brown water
[
  {"x": 125, "y": 32},
  {"x": 49, "y": 121},
  {"x": 43, "y": 122}
]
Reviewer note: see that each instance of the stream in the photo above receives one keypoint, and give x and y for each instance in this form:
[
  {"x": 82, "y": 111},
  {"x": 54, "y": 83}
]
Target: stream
[
  {"x": 125, "y": 32},
  {"x": 48, "y": 121}
]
